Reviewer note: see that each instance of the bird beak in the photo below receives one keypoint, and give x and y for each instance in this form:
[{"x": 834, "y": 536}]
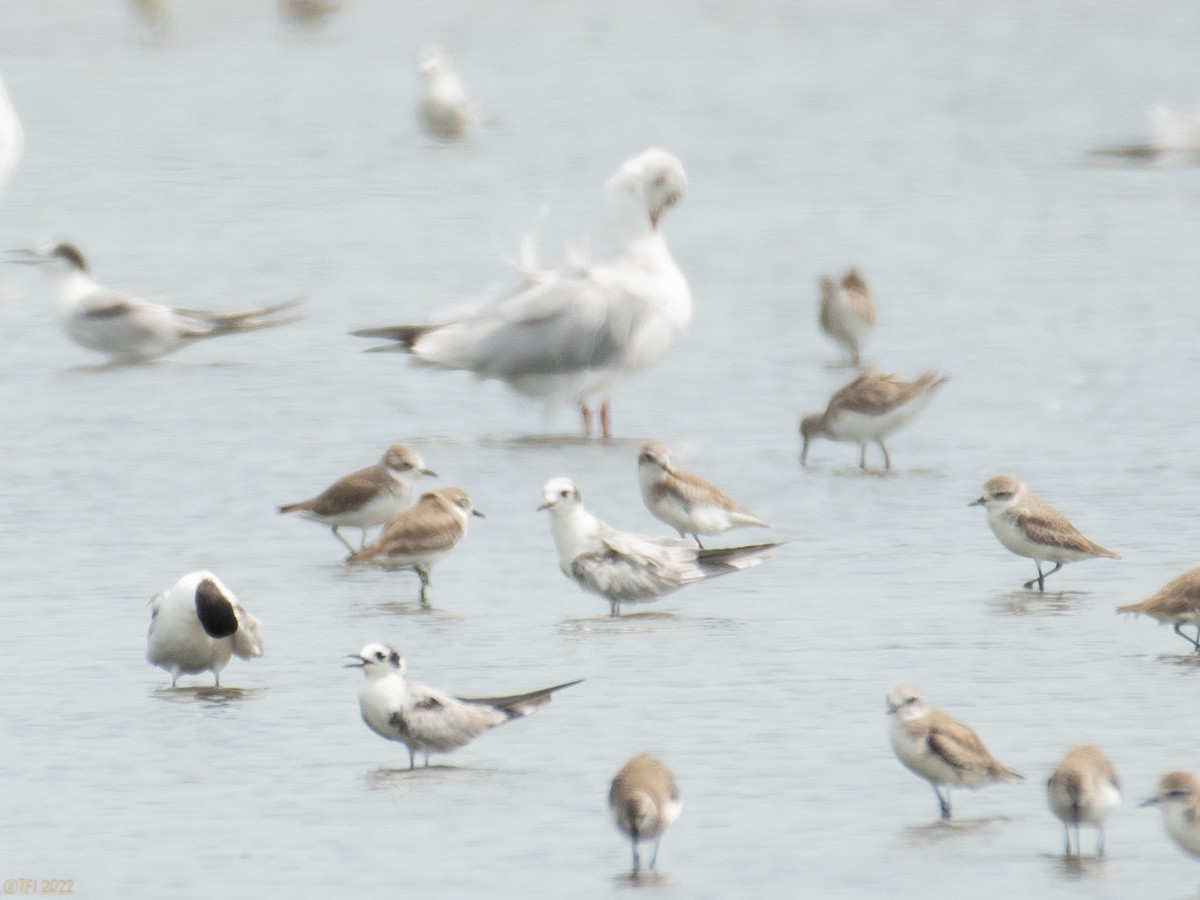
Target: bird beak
[
  {"x": 545, "y": 504},
  {"x": 476, "y": 512},
  {"x": 1153, "y": 801},
  {"x": 358, "y": 664},
  {"x": 28, "y": 258},
  {"x": 980, "y": 502},
  {"x": 428, "y": 472}
]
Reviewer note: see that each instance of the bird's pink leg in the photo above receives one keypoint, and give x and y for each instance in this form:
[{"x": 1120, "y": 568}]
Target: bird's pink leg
[
  {"x": 587, "y": 419},
  {"x": 605, "y": 419}
]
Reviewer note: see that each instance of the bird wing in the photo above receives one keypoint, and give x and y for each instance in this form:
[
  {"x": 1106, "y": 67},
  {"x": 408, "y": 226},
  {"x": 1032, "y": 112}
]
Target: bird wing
[
  {"x": 517, "y": 705},
  {"x": 426, "y": 528},
  {"x": 629, "y": 568},
  {"x": 567, "y": 322},
  {"x": 961, "y": 748},
  {"x": 1046, "y": 525},
  {"x": 694, "y": 490},
  {"x": 108, "y": 319},
  {"x": 247, "y": 640},
  {"x": 872, "y": 394},
  {"x": 350, "y": 492}
]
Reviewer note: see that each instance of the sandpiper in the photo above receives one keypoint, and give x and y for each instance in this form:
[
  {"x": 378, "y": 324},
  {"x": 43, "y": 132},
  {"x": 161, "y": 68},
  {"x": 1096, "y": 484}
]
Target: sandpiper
[
  {"x": 1084, "y": 790},
  {"x": 847, "y": 312},
  {"x": 644, "y": 800}
]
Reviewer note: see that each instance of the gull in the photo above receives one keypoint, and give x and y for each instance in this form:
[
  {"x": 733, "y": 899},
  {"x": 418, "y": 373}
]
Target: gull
[
  {"x": 423, "y": 718},
  {"x": 368, "y": 497},
  {"x": 644, "y": 800},
  {"x": 847, "y": 312},
  {"x": 869, "y": 409},
  {"x": 130, "y": 329},
  {"x": 1177, "y": 602},
  {"x": 419, "y": 537},
  {"x": 446, "y": 110},
  {"x": 570, "y": 334},
  {"x": 1084, "y": 790},
  {"x": 196, "y": 625},
  {"x": 938, "y": 747},
  {"x": 629, "y": 568},
  {"x": 12, "y": 137},
  {"x": 1032, "y": 528},
  {"x": 1178, "y": 796},
  {"x": 686, "y": 502}
]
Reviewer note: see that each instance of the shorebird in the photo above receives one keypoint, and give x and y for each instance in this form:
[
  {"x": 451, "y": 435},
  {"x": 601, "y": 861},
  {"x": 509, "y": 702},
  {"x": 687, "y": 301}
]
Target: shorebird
[
  {"x": 130, "y": 329},
  {"x": 425, "y": 719},
  {"x": 1178, "y": 796},
  {"x": 1031, "y": 528},
  {"x": 1084, "y": 790},
  {"x": 847, "y": 312},
  {"x": 939, "y": 748},
  {"x": 869, "y": 409},
  {"x": 1177, "y": 603},
  {"x": 686, "y": 502},
  {"x": 196, "y": 625},
  {"x": 419, "y": 537},
  {"x": 446, "y": 111},
  {"x": 368, "y": 497},
  {"x": 570, "y": 334},
  {"x": 308, "y": 13},
  {"x": 644, "y": 800},
  {"x": 629, "y": 568}
]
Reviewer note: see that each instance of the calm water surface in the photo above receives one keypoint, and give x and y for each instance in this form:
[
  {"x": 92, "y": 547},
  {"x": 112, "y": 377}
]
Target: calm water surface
[{"x": 941, "y": 147}]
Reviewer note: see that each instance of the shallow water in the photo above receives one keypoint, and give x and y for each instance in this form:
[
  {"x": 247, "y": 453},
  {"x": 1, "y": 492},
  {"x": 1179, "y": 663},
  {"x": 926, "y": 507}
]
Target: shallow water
[{"x": 941, "y": 147}]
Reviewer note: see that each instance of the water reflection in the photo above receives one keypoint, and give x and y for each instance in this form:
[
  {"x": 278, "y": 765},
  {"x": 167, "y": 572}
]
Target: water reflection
[
  {"x": 643, "y": 880},
  {"x": 642, "y": 623},
  {"x": 1074, "y": 868},
  {"x": 941, "y": 829},
  {"x": 407, "y": 608},
  {"x": 1036, "y": 603},
  {"x": 209, "y": 695}
]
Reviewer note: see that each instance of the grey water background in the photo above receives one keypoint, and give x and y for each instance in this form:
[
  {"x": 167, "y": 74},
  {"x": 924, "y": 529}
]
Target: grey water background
[{"x": 941, "y": 147}]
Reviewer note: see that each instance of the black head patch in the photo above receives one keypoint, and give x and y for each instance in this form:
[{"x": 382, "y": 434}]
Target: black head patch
[
  {"x": 214, "y": 610},
  {"x": 71, "y": 253}
]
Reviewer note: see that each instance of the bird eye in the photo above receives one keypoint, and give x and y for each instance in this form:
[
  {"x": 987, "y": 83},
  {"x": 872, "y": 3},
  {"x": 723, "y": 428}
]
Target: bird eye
[
  {"x": 1002, "y": 495},
  {"x": 565, "y": 492},
  {"x": 379, "y": 655}
]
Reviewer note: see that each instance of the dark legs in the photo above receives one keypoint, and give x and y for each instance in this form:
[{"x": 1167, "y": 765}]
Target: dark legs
[
  {"x": 1195, "y": 642},
  {"x": 1040, "y": 581},
  {"x": 424, "y": 576},
  {"x": 943, "y": 801}
]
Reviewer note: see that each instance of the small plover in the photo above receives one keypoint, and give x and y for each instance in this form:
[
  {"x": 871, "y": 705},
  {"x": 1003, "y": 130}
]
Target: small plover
[
  {"x": 419, "y": 537},
  {"x": 1034, "y": 529},
  {"x": 847, "y": 312},
  {"x": 869, "y": 409},
  {"x": 425, "y": 719},
  {"x": 629, "y": 568},
  {"x": 939, "y": 748},
  {"x": 130, "y": 329},
  {"x": 1178, "y": 796},
  {"x": 1177, "y": 603},
  {"x": 1084, "y": 790},
  {"x": 686, "y": 502},
  {"x": 368, "y": 497},
  {"x": 196, "y": 625},
  {"x": 644, "y": 800}
]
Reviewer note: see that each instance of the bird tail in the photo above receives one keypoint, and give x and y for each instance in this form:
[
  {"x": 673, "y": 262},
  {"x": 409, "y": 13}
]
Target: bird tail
[
  {"x": 1135, "y": 609},
  {"x": 294, "y": 507},
  {"x": 930, "y": 381},
  {"x": 520, "y": 705},
  {"x": 405, "y": 336},
  {"x": 745, "y": 518},
  {"x": 247, "y": 640},
  {"x": 1005, "y": 774},
  {"x": 723, "y": 560},
  {"x": 237, "y": 322}
]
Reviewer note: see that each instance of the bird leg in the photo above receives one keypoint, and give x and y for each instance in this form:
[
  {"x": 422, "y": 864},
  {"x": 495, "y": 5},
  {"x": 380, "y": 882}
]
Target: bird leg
[
  {"x": 614, "y": 607},
  {"x": 696, "y": 538},
  {"x": 1041, "y": 579},
  {"x": 1099, "y": 840},
  {"x": 424, "y": 576},
  {"x": 587, "y": 419},
  {"x": 363, "y": 542},
  {"x": 606, "y": 419},
  {"x": 887, "y": 460},
  {"x": 412, "y": 758},
  {"x": 862, "y": 457},
  {"x": 1195, "y": 642},
  {"x": 637, "y": 863},
  {"x": 1067, "y": 839},
  {"x": 943, "y": 802},
  {"x": 342, "y": 539},
  {"x": 654, "y": 856}
]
